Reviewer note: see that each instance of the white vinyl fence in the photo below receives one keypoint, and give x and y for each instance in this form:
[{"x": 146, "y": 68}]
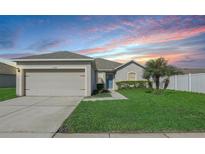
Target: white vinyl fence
[{"x": 188, "y": 82}]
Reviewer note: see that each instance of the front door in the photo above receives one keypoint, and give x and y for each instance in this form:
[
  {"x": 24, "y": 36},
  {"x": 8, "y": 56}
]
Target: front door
[{"x": 109, "y": 81}]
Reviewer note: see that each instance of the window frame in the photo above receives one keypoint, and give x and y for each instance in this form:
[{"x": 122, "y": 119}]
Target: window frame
[{"x": 128, "y": 76}]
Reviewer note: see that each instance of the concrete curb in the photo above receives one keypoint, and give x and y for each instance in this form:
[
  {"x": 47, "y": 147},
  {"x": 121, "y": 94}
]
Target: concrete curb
[{"x": 130, "y": 135}]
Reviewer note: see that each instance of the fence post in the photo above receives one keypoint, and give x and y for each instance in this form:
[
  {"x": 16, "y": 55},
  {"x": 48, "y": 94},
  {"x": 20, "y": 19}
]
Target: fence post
[
  {"x": 189, "y": 77},
  {"x": 175, "y": 82}
]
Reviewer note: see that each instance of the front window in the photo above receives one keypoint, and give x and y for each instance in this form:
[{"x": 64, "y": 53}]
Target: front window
[{"x": 131, "y": 76}]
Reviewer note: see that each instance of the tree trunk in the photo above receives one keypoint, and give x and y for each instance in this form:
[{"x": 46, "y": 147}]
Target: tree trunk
[
  {"x": 166, "y": 83},
  {"x": 157, "y": 82},
  {"x": 150, "y": 84}
]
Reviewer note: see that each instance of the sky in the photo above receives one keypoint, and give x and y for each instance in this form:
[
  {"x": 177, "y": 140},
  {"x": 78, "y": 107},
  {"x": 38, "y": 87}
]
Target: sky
[{"x": 179, "y": 39}]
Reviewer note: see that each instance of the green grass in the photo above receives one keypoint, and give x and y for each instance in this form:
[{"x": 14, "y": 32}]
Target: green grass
[
  {"x": 7, "y": 93},
  {"x": 170, "y": 111}
]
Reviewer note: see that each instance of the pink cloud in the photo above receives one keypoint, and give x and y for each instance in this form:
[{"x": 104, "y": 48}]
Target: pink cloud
[
  {"x": 161, "y": 36},
  {"x": 104, "y": 28},
  {"x": 128, "y": 23},
  {"x": 93, "y": 50},
  {"x": 142, "y": 59}
]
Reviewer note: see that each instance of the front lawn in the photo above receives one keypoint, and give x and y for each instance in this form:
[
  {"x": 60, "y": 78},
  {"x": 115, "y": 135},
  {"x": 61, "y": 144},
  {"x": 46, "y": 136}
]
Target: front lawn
[
  {"x": 7, "y": 93},
  {"x": 171, "y": 111}
]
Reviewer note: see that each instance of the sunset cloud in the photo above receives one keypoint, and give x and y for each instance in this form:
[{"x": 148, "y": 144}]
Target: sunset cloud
[
  {"x": 160, "y": 37},
  {"x": 171, "y": 57},
  {"x": 180, "y": 39}
]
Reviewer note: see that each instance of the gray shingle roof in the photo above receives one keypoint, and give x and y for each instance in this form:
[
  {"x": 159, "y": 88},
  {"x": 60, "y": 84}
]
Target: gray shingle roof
[
  {"x": 57, "y": 55},
  {"x": 7, "y": 69},
  {"x": 103, "y": 64},
  {"x": 100, "y": 63}
]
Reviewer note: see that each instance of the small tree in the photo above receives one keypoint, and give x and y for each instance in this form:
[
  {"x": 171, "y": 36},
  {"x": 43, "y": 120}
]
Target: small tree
[
  {"x": 155, "y": 69},
  {"x": 170, "y": 70}
]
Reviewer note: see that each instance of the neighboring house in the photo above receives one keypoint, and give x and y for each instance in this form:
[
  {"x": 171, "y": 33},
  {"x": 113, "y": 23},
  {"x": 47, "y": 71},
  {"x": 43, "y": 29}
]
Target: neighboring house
[
  {"x": 70, "y": 74},
  {"x": 193, "y": 70},
  {"x": 7, "y": 75}
]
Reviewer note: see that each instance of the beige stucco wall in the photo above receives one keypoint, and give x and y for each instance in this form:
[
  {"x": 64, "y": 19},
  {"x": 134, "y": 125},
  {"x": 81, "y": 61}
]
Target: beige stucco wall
[
  {"x": 51, "y": 65},
  {"x": 20, "y": 82},
  {"x": 122, "y": 73}
]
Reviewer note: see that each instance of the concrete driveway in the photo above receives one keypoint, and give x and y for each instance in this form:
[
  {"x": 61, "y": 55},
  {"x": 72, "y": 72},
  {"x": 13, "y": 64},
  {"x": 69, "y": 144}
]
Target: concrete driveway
[{"x": 34, "y": 116}]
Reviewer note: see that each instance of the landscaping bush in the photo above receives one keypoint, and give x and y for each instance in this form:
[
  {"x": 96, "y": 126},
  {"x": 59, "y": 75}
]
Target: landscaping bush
[
  {"x": 95, "y": 92},
  {"x": 132, "y": 84},
  {"x": 150, "y": 85},
  {"x": 149, "y": 90},
  {"x": 102, "y": 91},
  {"x": 100, "y": 86}
]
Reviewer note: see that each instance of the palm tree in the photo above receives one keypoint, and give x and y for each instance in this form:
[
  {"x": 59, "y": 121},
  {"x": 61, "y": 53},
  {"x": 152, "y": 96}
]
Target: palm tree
[
  {"x": 156, "y": 68},
  {"x": 170, "y": 70}
]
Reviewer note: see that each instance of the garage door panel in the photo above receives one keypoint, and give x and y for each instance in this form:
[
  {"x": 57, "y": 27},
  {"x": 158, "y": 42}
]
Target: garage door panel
[
  {"x": 53, "y": 92},
  {"x": 55, "y": 83}
]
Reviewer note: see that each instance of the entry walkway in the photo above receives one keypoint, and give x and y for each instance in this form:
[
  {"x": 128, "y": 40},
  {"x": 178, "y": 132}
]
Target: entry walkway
[{"x": 115, "y": 96}]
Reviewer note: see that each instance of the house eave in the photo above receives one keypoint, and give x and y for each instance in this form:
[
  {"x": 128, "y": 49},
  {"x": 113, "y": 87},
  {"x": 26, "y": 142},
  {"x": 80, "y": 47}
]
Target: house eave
[{"x": 105, "y": 70}]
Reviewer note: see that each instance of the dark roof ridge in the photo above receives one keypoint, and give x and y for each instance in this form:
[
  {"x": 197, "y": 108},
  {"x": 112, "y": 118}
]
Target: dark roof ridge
[{"x": 55, "y": 55}]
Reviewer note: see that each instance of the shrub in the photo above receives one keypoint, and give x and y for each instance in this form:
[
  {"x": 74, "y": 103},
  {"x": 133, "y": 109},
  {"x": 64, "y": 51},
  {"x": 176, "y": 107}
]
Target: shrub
[
  {"x": 132, "y": 84},
  {"x": 95, "y": 92},
  {"x": 100, "y": 86},
  {"x": 150, "y": 85},
  {"x": 149, "y": 90}
]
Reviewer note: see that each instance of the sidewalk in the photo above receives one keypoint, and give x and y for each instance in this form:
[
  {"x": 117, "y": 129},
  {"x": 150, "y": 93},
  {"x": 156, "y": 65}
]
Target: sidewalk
[
  {"x": 115, "y": 96},
  {"x": 124, "y": 135}
]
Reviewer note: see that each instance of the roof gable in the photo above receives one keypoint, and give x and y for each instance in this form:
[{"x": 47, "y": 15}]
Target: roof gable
[
  {"x": 128, "y": 63},
  {"x": 61, "y": 55}
]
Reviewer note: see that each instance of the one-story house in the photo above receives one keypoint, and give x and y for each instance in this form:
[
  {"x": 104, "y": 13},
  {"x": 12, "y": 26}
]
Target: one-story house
[
  {"x": 7, "y": 75},
  {"x": 70, "y": 74}
]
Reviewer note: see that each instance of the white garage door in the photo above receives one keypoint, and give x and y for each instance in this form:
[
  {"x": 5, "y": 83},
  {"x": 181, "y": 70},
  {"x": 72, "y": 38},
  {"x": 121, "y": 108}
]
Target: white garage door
[{"x": 55, "y": 83}]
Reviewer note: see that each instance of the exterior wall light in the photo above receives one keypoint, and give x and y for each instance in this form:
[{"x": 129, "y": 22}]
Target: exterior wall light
[{"x": 18, "y": 70}]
